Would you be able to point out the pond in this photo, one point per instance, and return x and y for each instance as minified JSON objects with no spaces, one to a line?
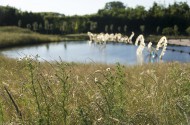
{"x":82,"y":51}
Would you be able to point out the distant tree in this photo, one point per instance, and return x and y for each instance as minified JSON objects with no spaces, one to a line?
{"x":46,"y":25}
{"x":142,"y":28}
{"x":40,"y":27}
{"x":114,"y":5}
{"x":93,"y":26}
{"x":119,"y":29}
{"x":76,"y":27}
{"x":111,"y":27}
{"x":176,"y":32}
{"x":51,"y":28}
{"x":125,"y":28}
{"x":157,"y":10}
{"x":106,"y":28}
{"x":28,"y":26}
{"x":35,"y":26}
{"x":139,"y":12}
{"x":19,"y":23}
{"x":188,"y":30}
{"x":168,"y":31}
{"x":63,"y":27}
{"x":157,"y":29}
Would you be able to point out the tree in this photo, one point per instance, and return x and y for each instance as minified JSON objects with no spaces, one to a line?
{"x":28,"y":26}
{"x":188,"y":30}
{"x":35,"y":26}
{"x":167,"y":31}
{"x":106,"y":28}
{"x":93,"y":26}
{"x":125,"y":28}
{"x":51,"y":27}
{"x":111,"y":27}
{"x":63,"y":27}
{"x":176,"y":32}
{"x":157,"y":29}
{"x":114,"y":5}
{"x":40,"y":27}
{"x":142,"y":28}
{"x":119,"y":29}
{"x":19,"y":23}
{"x":46,"y":25}
{"x":157,"y":10}
{"x":76,"y":27}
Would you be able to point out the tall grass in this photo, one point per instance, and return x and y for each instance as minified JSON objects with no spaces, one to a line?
{"x":15,"y":36}
{"x":11,"y":36}
{"x":69,"y":93}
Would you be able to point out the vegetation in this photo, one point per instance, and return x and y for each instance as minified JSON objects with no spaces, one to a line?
{"x":15,"y":36}
{"x":114,"y":17}
{"x":35,"y":92}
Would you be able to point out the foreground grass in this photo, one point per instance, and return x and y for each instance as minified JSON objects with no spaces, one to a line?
{"x":11,"y":36}
{"x":68,"y":93}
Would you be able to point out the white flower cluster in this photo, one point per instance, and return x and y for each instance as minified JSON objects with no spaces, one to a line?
{"x":26,"y":58}
{"x":103,"y":38}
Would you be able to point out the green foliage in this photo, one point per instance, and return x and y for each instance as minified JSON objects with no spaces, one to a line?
{"x":111,"y":27}
{"x":93,"y":26}
{"x":188,"y":30}
{"x":168,"y":31}
{"x":113,"y":14}
{"x":157,"y":29}
{"x":114,"y":5}
{"x":14,"y":36}
{"x":19,"y":23}
{"x":69,"y":93}
{"x":176,"y":32}
{"x":125,"y":28}
{"x":106,"y":28}
{"x":35,"y":26}
{"x":28,"y":26}
{"x":142,"y":28}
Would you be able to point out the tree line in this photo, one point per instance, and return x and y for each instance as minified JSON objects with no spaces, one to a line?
{"x":113,"y":18}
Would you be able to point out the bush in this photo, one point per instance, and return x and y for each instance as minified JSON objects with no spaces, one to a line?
{"x":188,"y":30}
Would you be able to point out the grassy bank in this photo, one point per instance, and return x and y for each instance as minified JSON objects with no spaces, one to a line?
{"x":11,"y":36}
{"x":69,"y":93}
{"x":156,"y":38}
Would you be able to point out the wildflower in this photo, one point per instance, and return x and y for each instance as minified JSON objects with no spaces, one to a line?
{"x":108,"y":69}
{"x":97,"y":71}
{"x":100,"y":119}
{"x":96,"y":79}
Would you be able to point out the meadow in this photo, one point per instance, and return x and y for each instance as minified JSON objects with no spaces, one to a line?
{"x":11,"y":36}
{"x":34,"y":92}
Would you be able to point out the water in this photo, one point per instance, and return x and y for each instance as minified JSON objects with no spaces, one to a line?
{"x":84,"y":52}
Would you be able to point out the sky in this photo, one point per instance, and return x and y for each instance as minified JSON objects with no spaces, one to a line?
{"x":77,"y":7}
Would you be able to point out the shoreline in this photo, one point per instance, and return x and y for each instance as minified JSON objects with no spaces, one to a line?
{"x":179,"y":42}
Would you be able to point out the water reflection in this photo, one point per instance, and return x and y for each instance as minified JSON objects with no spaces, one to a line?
{"x":86,"y":52}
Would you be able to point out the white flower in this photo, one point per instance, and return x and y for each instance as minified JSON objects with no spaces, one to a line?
{"x":97,"y":71}
{"x":96,"y":79}
{"x":108,"y":69}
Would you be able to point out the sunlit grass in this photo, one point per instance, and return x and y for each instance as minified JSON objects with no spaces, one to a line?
{"x":11,"y":36}
{"x":70,"y":93}
{"x":15,"y":36}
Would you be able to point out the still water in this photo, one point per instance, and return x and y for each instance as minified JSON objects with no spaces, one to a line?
{"x":84,"y":52}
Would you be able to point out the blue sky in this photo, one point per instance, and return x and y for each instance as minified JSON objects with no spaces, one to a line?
{"x":79,"y":7}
